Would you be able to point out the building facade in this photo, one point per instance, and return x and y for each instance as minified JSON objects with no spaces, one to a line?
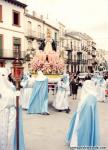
{"x":61,"y":40}
{"x":11,"y":30}
{"x":101,"y":59}
{"x":36,"y":30}
{"x":82,"y":52}
{"x":27,"y":32}
{"x":72,"y":45}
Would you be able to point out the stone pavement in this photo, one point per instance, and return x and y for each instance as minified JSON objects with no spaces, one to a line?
{"x":48,"y":132}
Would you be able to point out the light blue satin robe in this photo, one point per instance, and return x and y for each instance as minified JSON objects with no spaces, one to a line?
{"x":39,"y":98}
{"x":88,"y":127}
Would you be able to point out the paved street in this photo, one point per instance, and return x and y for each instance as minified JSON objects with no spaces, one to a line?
{"x":48,"y":132}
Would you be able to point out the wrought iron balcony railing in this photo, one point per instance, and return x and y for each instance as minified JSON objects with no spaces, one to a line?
{"x":68,"y":61}
{"x":83,"y":61}
{"x":76,"y":62}
{"x":11,"y":54}
{"x":31,"y":34}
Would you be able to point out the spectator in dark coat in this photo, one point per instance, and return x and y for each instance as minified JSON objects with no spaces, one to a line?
{"x":73,"y":87}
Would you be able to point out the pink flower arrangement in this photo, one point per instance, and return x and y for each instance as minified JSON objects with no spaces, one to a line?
{"x":54,"y":64}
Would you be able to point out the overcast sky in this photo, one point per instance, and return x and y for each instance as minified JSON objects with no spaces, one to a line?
{"x":89,"y":16}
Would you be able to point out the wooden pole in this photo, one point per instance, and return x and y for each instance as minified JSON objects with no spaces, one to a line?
{"x":17,"y":114}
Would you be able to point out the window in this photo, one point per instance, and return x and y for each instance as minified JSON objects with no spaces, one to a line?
{"x":62,"y":32}
{"x":62,"y":43}
{"x":29,"y":28}
{"x":16,"y":18}
{"x":75,"y":58}
{"x":39,"y":31}
{"x":16,"y":47}
{"x":1,"y":45}
{"x":29,"y":45}
{"x":55,"y":36}
{"x":29,"y":25}
{"x":0,"y":13}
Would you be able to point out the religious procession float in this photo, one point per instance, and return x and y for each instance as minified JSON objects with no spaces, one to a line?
{"x":48,"y":60}
{"x":50,"y":63}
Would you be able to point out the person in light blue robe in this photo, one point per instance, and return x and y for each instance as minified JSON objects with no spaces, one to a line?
{"x":26,"y":90}
{"x":8,"y":116}
{"x":102,"y":89}
{"x":100,"y":86}
{"x":61,"y":101}
{"x":39,"y":98}
{"x":84,"y":126}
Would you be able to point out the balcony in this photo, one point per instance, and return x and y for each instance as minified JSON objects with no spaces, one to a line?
{"x":31,"y":34}
{"x":68,"y":61}
{"x":40,"y":36}
{"x":83,"y":61}
{"x":21,"y":54}
{"x":84,"y":48}
{"x":62,"y":36}
{"x":68,"y":50}
{"x":73,"y":62}
{"x":10,"y":54}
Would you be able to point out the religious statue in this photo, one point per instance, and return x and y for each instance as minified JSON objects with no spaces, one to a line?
{"x":48,"y":46}
{"x":48,"y":60}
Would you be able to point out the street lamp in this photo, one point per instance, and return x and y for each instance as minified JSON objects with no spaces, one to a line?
{"x":17,"y":73}
{"x":79,"y":58}
{"x":71,"y":59}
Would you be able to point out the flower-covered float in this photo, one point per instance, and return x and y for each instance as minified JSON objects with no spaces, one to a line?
{"x":48,"y":61}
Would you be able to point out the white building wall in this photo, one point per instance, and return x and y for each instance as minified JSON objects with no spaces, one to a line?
{"x":62,"y":38}
{"x":7,"y":16}
{"x":35,"y":23}
{"x":8,"y":41}
{"x":8,"y":30}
